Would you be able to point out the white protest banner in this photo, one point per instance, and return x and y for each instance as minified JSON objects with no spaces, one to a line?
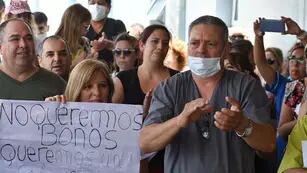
{"x":51,"y":137}
{"x":304,"y":151}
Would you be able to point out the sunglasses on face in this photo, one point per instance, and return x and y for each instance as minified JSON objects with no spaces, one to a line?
{"x":125,"y":52}
{"x":270,"y":61}
{"x":293,"y":59}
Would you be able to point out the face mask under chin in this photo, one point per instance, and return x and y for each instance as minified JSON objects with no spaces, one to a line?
{"x":204,"y":67}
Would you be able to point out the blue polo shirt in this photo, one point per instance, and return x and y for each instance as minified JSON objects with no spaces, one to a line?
{"x":278,"y":89}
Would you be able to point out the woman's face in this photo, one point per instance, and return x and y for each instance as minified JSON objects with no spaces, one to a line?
{"x":84,"y":27}
{"x":272,"y":61}
{"x":96,"y":90}
{"x":229,"y":66}
{"x":125,"y":55}
{"x":156,"y":46}
{"x":297,"y":64}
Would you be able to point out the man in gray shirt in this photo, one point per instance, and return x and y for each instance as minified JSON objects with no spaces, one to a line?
{"x":208,"y":119}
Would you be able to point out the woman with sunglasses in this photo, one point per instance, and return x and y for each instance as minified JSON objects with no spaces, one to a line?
{"x":125,"y":52}
{"x":132,"y":85}
{"x":276,"y":83}
{"x":274,"y":58}
{"x":294,"y":90}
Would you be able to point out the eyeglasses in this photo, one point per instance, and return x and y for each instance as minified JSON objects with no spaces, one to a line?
{"x":293,"y":59}
{"x":270,"y":61}
{"x":125,"y":52}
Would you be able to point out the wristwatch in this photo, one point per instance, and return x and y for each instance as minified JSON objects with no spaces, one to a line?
{"x":247,"y":131}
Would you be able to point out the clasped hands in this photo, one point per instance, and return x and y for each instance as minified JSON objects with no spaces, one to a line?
{"x":226,"y":119}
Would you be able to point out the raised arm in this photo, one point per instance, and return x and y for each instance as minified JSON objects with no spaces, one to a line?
{"x":266,"y":71}
{"x":286,"y":122}
{"x":294,"y":29}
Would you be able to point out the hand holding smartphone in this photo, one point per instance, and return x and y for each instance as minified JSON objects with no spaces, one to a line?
{"x":272,"y":25}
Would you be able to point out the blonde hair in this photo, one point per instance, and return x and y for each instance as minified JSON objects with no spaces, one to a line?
{"x":81,"y":75}
{"x":70,"y":28}
{"x":277,"y":53}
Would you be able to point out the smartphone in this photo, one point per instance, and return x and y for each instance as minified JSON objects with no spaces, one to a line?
{"x":272,"y":25}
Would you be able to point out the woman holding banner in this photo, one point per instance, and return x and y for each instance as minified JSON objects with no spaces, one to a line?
{"x":89,"y":81}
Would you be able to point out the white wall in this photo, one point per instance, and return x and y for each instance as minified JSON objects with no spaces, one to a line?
{"x":129,"y":11}
{"x":54,"y":10}
{"x":249,"y":11}
{"x":175,"y":17}
{"x":273,"y":9}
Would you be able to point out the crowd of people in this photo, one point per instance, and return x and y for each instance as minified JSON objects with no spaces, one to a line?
{"x":216,"y":104}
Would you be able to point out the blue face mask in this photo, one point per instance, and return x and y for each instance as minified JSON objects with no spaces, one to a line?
{"x":204,"y":67}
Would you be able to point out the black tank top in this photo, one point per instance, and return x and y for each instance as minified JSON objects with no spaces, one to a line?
{"x":132,"y":88}
{"x":134,"y":95}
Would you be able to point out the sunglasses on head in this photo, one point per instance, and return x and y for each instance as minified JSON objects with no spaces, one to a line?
{"x":270,"y":61}
{"x":300,"y":60}
{"x":125,"y":52}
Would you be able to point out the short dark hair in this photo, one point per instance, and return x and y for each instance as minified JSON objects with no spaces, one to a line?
{"x":3,"y":26}
{"x":52,"y":37}
{"x":150,"y":29}
{"x":238,"y":57}
{"x":210,"y":20}
{"x":108,"y":2}
{"x":132,"y":41}
{"x":2,"y":4}
{"x":298,"y":45}
{"x":40,"y":17}
{"x":241,"y":46}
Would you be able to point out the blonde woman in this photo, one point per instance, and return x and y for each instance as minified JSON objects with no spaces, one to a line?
{"x":73,"y":28}
{"x":89,"y":81}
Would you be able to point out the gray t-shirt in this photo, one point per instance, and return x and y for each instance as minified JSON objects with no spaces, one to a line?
{"x":222,"y":152}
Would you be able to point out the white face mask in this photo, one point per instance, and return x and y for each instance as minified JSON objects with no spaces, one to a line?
{"x":204,"y":67}
{"x":41,"y":37}
{"x":98,"y":12}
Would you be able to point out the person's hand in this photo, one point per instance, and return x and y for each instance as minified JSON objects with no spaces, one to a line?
{"x":257,"y":31}
{"x":192,"y":112}
{"x":57,"y":98}
{"x":146,"y":103}
{"x":101,"y":43}
{"x":230,"y":119}
{"x":292,"y":26}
